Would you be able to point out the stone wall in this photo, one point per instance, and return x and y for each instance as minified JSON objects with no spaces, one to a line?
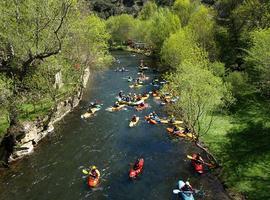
{"x":33,"y":132}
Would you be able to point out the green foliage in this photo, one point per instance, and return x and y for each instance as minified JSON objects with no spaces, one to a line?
{"x":258,"y":59}
{"x":120,"y":27}
{"x":162,"y":24}
{"x":217,"y":68}
{"x":148,"y":10}
{"x":184,"y":9}
{"x":238,"y":82}
{"x":202,"y":25}
{"x":201,"y":93}
{"x":180,"y":47}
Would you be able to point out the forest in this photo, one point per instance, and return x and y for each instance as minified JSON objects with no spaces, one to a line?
{"x":215,"y":55}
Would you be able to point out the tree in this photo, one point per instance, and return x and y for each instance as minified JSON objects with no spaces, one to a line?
{"x":201,"y":94}
{"x":162,"y":24}
{"x":180,"y":47}
{"x":202,"y":25}
{"x":184,"y":9}
{"x":258,"y":59}
{"x":148,"y":10}
{"x":120,"y":27}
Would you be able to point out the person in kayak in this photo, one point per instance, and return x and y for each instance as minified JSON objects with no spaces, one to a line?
{"x":133,"y":119}
{"x":121,"y":94}
{"x":116,"y":104}
{"x":94,"y":172}
{"x":176,"y":129}
{"x":199,"y":159}
{"x":172,"y":119}
{"x":137,"y":164}
{"x":187,"y":187}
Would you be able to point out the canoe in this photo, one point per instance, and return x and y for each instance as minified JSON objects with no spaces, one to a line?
{"x":93,"y":182}
{"x":198,"y":166}
{"x":132,"y":124}
{"x":136,"y":86}
{"x":112,"y":108}
{"x":133,"y":173}
{"x":89,"y":114}
{"x":140,"y":108}
{"x":180,"y":134}
{"x":185,"y":195}
{"x":166,"y":121}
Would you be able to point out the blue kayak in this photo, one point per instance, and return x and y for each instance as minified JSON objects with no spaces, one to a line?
{"x":185,"y":195}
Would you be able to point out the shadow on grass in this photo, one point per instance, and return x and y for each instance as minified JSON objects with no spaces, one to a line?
{"x":247,"y":154}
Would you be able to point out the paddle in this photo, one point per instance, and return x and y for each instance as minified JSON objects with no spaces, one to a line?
{"x":85,"y":171}
{"x":177,"y":191}
{"x":208,"y":164}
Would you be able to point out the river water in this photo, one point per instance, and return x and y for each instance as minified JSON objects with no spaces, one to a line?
{"x":54,"y":170}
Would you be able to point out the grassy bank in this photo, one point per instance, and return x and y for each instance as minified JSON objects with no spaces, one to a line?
{"x":241,"y":142}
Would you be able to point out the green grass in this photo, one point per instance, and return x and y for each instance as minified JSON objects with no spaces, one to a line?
{"x":241,"y":142}
{"x":3,"y":122}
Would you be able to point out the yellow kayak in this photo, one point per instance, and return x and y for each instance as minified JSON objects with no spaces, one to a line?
{"x":132,"y":124}
{"x":112,"y":108}
{"x":89,"y":114}
{"x":145,"y":97}
{"x":165,"y":121}
{"x":180,"y":134}
{"x":135,"y":85}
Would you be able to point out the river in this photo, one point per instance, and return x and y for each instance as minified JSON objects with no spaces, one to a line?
{"x":54,"y":170}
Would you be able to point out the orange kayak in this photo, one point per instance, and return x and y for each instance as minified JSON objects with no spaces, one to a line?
{"x":93,"y":182}
{"x":150,"y":121}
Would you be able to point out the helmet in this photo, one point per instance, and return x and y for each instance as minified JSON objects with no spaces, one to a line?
{"x":187,"y":183}
{"x":94,"y":167}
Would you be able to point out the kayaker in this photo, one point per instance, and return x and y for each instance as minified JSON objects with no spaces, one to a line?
{"x":186,"y":187}
{"x":137,"y":164}
{"x":199,"y":159}
{"x":176,"y":129}
{"x":94,"y":172}
{"x":121,"y":94}
{"x":142,"y":64}
{"x":116,"y":104}
{"x":172,"y":119}
{"x":133,"y":119}
{"x":141,"y":104}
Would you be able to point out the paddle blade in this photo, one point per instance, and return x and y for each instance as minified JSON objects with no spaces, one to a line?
{"x":190,"y":157}
{"x":85,"y":171}
{"x":176,"y":191}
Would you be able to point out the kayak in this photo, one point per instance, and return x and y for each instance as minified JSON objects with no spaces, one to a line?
{"x":144,"y":78}
{"x":143,"y":68}
{"x":133,"y":173}
{"x":145,"y":97}
{"x":197,"y":165}
{"x":166,"y":121}
{"x":93,"y":182}
{"x":112,"y":108}
{"x":185,"y":195}
{"x":132,"y":124}
{"x":150,"y":120}
{"x":89,"y":114}
{"x":140,"y":108}
{"x":135,"y":85}
{"x":180,"y":134}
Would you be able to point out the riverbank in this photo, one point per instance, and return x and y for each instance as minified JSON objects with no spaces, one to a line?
{"x":34,"y":131}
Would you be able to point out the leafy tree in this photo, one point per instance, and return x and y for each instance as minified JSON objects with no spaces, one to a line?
{"x":162,"y":24}
{"x":148,"y":10}
{"x":184,"y":9}
{"x":201,"y":94}
{"x":120,"y":27}
{"x":258,"y":59}
{"x":202,"y":25}
{"x":180,"y":47}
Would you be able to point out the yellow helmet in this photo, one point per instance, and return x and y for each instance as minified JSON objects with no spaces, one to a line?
{"x":93,"y":167}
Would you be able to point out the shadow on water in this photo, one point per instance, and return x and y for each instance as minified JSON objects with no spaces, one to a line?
{"x":54,"y":171}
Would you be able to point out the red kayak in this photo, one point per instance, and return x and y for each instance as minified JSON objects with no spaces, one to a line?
{"x":198,"y":166}
{"x":134,"y":172}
